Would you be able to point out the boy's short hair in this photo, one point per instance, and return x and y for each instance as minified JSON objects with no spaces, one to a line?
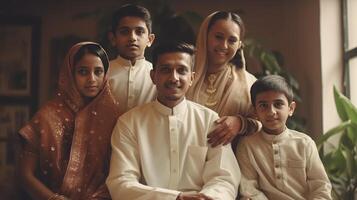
{"x":271,"y":83}
{"x":171,"y":47}
{"x":130,"y":10}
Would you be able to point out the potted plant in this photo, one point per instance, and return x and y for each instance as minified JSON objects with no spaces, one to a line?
{"x":340,"y":160}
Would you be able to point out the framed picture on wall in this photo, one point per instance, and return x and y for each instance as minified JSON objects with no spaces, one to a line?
{"x":19,"y":56}
{"x":12,"y":118}
{"x":19,"y":78}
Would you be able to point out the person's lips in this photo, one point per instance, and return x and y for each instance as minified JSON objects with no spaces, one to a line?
{"x":221,"y":52}
{"x":133,"y":46}
{"x":272,"y":120}
{"x":92,"y":87}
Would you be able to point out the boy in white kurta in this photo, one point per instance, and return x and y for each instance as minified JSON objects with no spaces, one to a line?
{"x":160,"y":149}
{"x":129,"y":73}
{"x":279,"y":163}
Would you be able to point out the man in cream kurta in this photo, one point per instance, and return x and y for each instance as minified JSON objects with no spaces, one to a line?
{"x":160,"y":149}
{"x":131,"y":84}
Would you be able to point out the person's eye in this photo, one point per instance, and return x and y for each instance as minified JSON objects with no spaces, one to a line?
{"x":82,"y":72}
{"x":232,"y":40}
{"x":99,"y":72}
{"x":218,"y":37}
{"x":262,"y":106}
{"x":123,"y":31}
{"x":164,"y":70}
{"x":140,"y":31}
{"x":279,"y":104}
{"x":182,"y":70}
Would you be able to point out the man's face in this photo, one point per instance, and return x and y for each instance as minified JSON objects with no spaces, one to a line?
{"x":172,"y":76}
{"x":132,"y":37}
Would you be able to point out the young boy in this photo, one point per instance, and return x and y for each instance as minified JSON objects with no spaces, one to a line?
{"x":279,"y":163}
{"x":160,"y":149}
{"x":129,"y":73}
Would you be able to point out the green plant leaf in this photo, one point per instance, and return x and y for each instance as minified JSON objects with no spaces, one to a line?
{"x":350,"y":109}
{"x":270,"y":62}
{"x":350,"y":164}
{"x":339,"y":105}
{"x":352,"y":133}
{"x":331,"y":132}
{"x":345,"y":141}
{"x":341,"y":161}
{"x":335,"y":163}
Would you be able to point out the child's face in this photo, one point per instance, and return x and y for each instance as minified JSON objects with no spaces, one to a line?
{"x":132,"y":37}
{"x":273,"y":110}
{"x":89,"y":75}
{"x":172,"y":76}
{"x":223,"y":41}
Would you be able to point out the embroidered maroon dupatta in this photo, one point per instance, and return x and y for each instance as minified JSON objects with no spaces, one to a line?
{"x":72,"y":140}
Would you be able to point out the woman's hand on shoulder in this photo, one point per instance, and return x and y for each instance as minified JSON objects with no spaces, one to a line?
{"x":226,"y":129}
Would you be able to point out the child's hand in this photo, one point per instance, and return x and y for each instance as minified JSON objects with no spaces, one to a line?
{"x":227,"y":127}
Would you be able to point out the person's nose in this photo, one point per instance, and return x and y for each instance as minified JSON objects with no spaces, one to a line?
{"x":91,"y":78}
{"x":174,"y":76}
{"x":271,"y":110}
{"x":224,"y":44}
{"x":133,"y":36}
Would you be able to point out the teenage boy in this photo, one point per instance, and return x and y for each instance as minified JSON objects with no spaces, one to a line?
{"x":279,"y":163}
{"x":129,"y":73}
{"x":160,"y":149}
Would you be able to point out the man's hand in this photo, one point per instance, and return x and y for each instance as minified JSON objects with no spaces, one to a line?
{"x":193,"y":197}
{"x":227,"y":127}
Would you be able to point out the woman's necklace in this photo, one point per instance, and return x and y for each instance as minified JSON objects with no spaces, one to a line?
{"x":212,"y":87}
{"x":211,"y":90}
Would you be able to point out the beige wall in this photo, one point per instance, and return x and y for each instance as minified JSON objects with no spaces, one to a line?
{"x":352,"y":40}
{"x":331,"y":58}
{"x":291,"y":27}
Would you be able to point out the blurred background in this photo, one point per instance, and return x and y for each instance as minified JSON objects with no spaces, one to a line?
{"x":311,"y":42}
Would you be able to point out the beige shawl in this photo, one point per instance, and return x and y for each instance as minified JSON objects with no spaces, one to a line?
{"x":236,"y":98}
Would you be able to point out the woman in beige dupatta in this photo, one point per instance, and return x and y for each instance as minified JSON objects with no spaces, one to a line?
{"x":221,"y":80}
{"x":66,"y":146}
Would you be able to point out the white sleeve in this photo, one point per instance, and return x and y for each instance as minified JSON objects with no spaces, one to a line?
{"x":221,"y":174}
{"x":124,"y":173}
{"x":317,"y":180}
{"x":249,"y":188}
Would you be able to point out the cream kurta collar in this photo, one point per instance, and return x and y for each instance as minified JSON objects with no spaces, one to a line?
{"x":127,"y":63}
{"x":179,"y":110}
{"x":272,"y":138}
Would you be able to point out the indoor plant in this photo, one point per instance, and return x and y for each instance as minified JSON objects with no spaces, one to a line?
{"x":340,"y":159}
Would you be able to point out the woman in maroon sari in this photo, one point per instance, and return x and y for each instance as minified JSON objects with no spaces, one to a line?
{"x":66,"y":146}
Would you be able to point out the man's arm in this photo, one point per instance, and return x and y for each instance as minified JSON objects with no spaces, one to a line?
{"x":221,"y":174}
{"x":249,"y":185}
{"x":317,"y":180}
{"x":124,"y":173}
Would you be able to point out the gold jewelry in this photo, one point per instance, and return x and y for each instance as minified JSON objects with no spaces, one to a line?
{"x":53,"y":197}
{"x":211,"y":90}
